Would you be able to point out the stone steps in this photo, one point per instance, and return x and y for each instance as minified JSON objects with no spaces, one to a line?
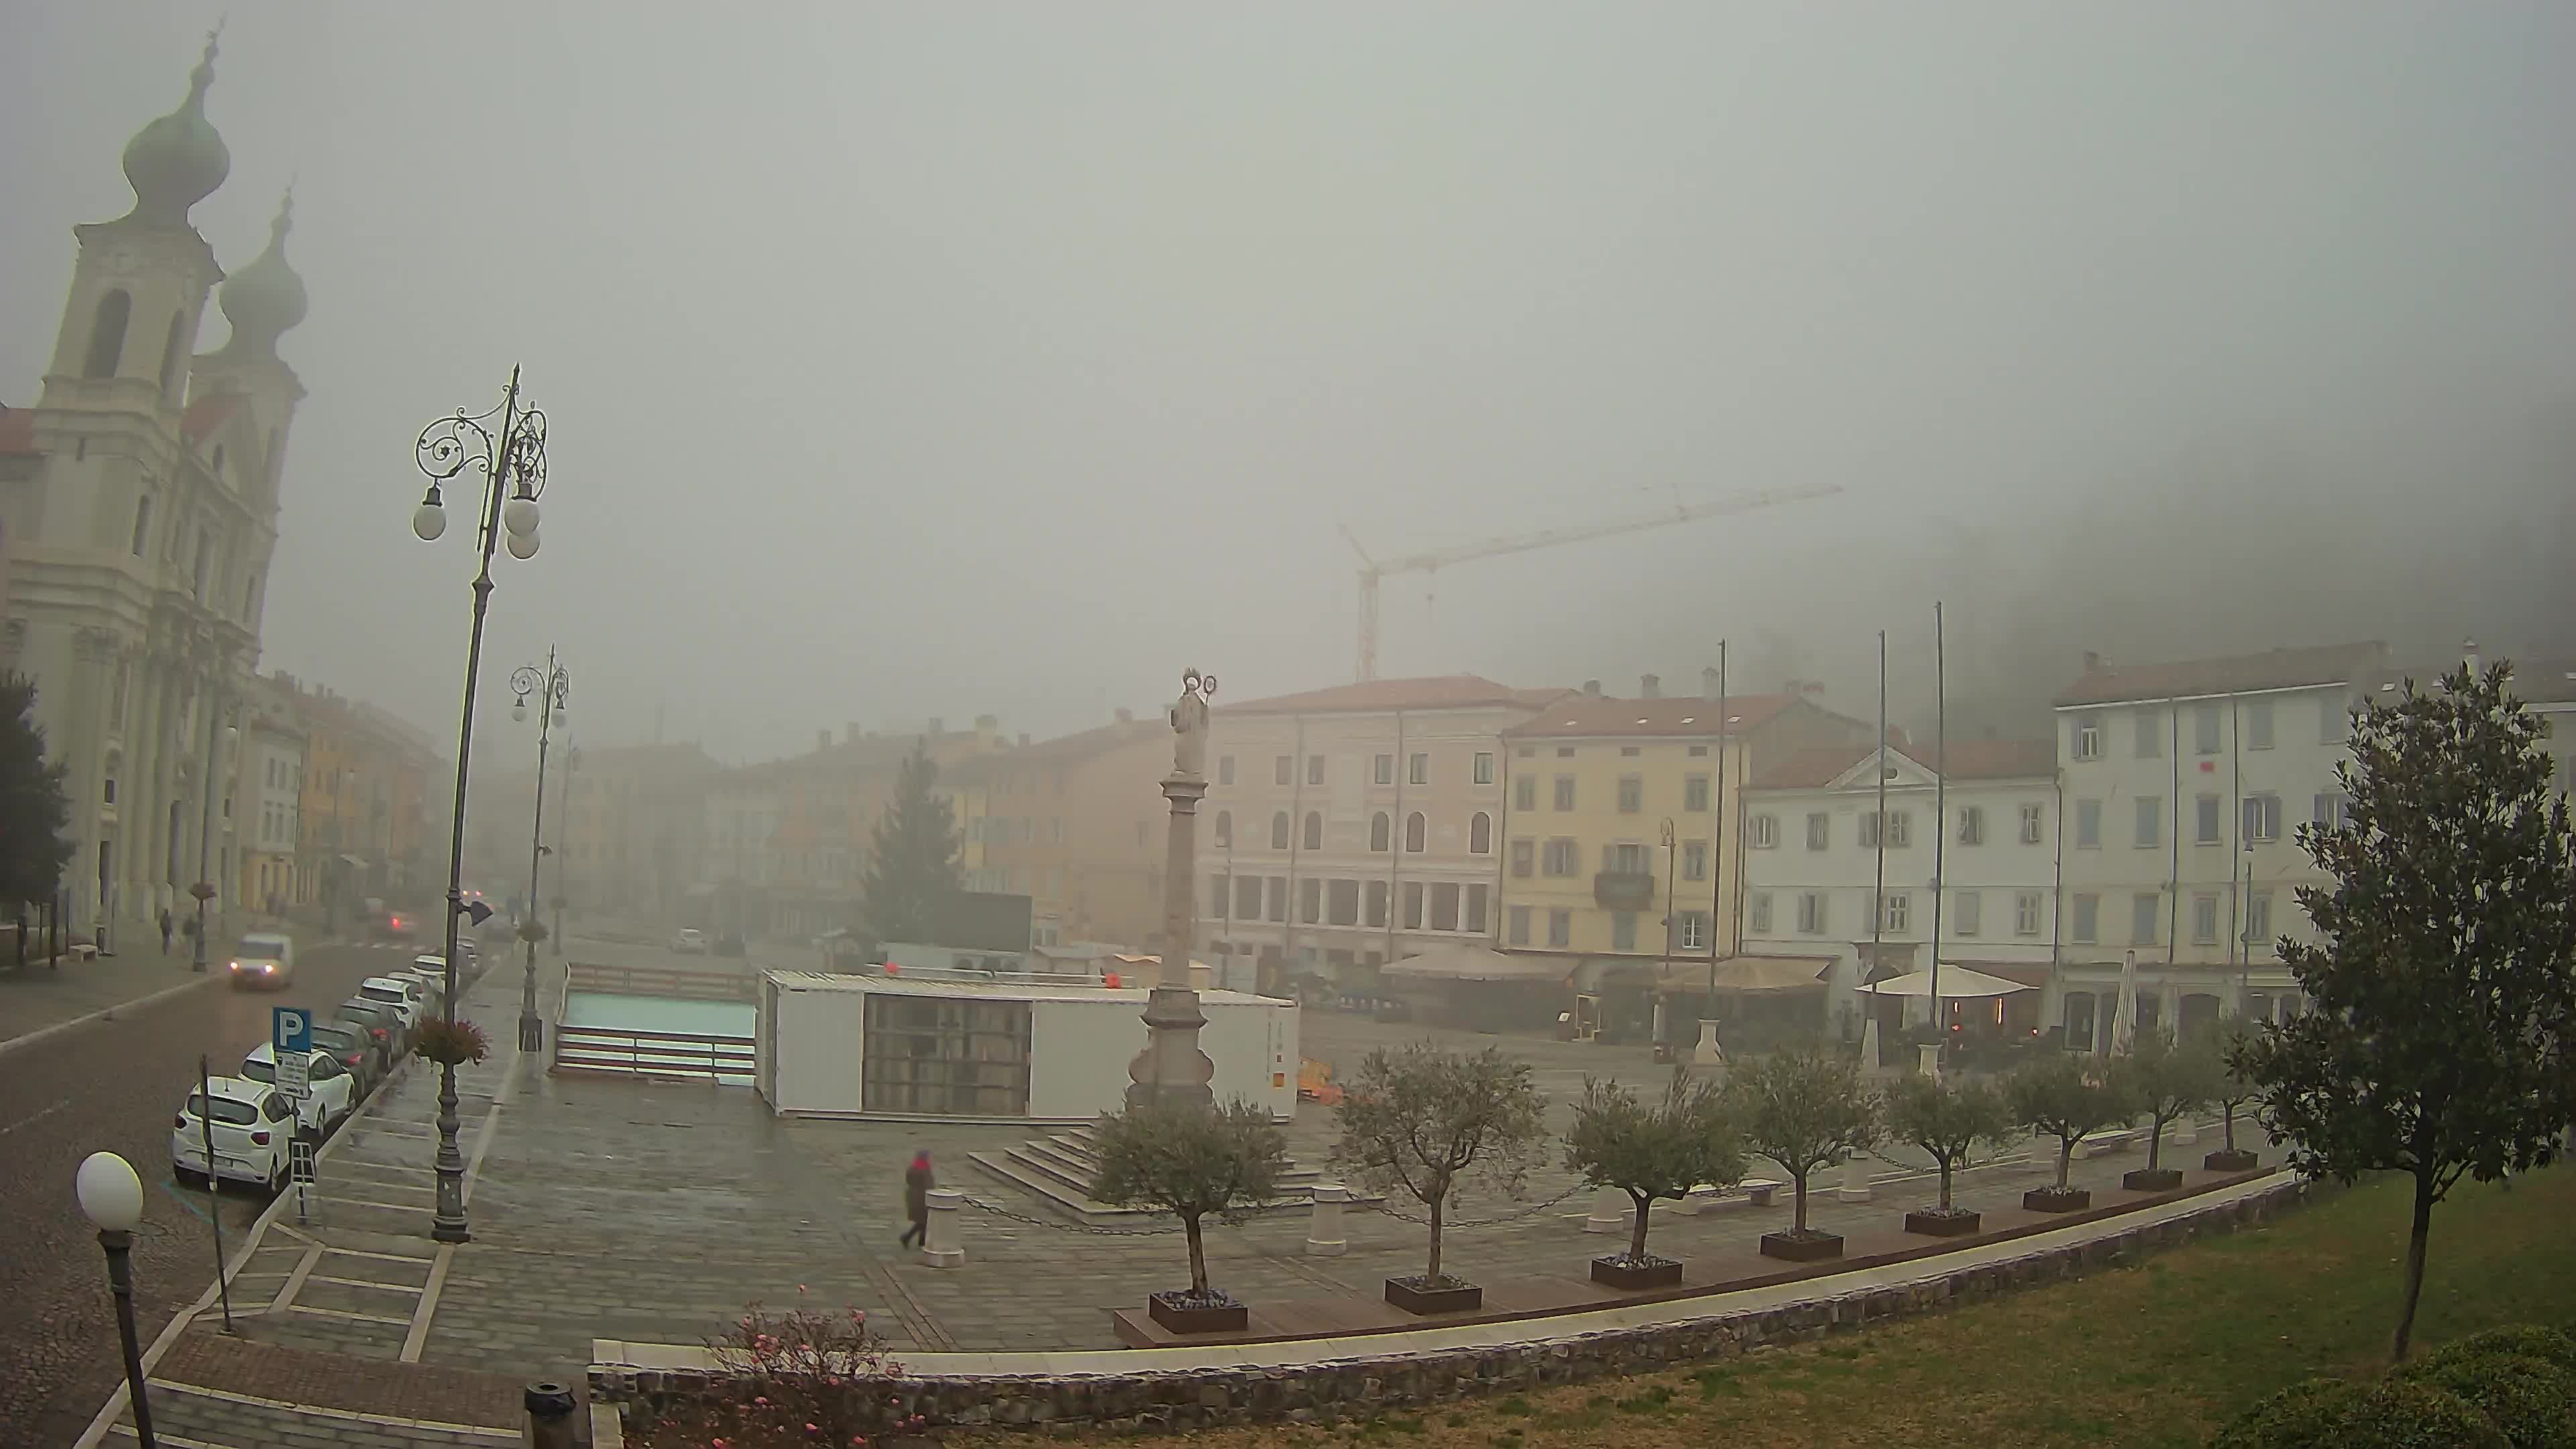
{"x":1058,"y":1169}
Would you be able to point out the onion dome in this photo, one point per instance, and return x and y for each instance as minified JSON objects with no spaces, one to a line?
{"x":178,"y":160}
{"x":264,"y":299}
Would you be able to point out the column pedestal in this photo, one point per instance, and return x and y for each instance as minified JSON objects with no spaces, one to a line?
{"x":940,"y":1245}
{"x":1610,"y":1209}
{"x":1855,"y":1186}
{"x":1324,"y":1228}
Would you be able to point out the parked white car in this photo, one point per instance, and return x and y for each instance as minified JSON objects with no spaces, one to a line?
{"x":252,"y":1122}
{"x":430,"y":974}
{"x":404,"y":996}
{"x":689,"y":941}
{"x":331,"y":1091}
{"x":263,"y":959}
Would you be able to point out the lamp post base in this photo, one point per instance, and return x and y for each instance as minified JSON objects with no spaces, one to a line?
{"x":532,"y":1032}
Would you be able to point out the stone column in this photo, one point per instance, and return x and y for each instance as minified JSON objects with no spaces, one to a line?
{"x":1855,"y":1186}
{"x":1707,"y":1053}
{"x":1927,"y":1060}
{"x":2182,"y":1133}
{"x":1610,"y":1209}
{"x":940,"y":1245}
{"x":1171,"y":1068}
{"x":1324,"y":1229}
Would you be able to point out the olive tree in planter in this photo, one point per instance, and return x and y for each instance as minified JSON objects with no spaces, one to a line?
{"x":1948,"y":1118}
{"x":1428,"y":1122}
{"x":2169,"y":1077}
{"x":2230,"y":1090}
{"x":2066,"y":1098}
{"x":1191,"y":1163}
{"x":1651,"y":1152}
{"x":1806,"y":1110}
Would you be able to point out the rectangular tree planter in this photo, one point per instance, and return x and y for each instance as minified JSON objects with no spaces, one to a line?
{"x":1812,"y":1248}
{"x":2051,"y":1200}
{"x":1655,"y":1272}
{"x":1187,"y":1317}
{"x":1933,"y":1223}
{"x":1411,"y":1295}
{"x":2152,"y":1179}
{"x":2237,"y":1161}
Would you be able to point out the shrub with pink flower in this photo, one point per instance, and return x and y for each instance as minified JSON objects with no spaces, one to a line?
{"x":804,"y":1377}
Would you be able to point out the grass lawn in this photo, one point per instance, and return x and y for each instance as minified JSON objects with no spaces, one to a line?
{"x":2158,"y":1354}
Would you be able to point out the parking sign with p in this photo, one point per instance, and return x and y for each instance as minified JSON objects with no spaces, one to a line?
{"x":290,"y":1037}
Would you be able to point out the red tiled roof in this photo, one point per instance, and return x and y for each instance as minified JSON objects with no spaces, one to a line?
{"x":1445,"y":691}
{"x":2106,"y":683}
{"x":2535,"y":681}
{"x":206,"y":414}
{"x":17,"y":433}
{"x":1812,"y":769}
{"x":1587,"y":716}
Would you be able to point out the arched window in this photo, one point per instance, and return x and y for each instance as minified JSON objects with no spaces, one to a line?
{"x":107,"y":334}
{"x":1279,"y":831}
{"x":250,"y":606}
{"x":1382,"y":832}
{"x":1480,"y":834}
{"x":205,"y":560}
{"x":1314,"y":830}
{"x":1224,"y":829}
{"x":217,"y":468}
{"x":171,"y":352}
{"x":1415,"y":829}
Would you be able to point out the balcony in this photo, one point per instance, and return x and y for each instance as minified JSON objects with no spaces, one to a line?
{"x":1624,"y":890}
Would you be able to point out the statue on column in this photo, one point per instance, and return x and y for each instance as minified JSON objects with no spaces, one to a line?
{"x":1189,"y":716}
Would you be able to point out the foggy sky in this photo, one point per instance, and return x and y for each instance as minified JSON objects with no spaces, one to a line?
{"x":940,"y":360}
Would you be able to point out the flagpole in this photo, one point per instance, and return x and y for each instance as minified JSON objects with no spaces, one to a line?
{"x":1940,"y":808}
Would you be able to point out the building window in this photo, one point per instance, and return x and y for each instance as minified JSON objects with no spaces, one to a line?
{"x":1484,"y":767}
{"x":1627,"y":857}
{"x":1694,"y":860}
{"x":1972,"y":825}
{"x":2258,"y":724}
{"x":1623,"y":930}
{"x":1763,"y":831}
{"x":1279,"y":831}
{"x":1419,"y":772}
{"x":2204,"y":820}
{"x":1472,"y":915}
{"x":2332,"y":808}
{"x":1900,"y":829}
{"x":2258,"y":922}
{"x":1377,"y":903}
{"x":1820,"y":830}
{"x":107,"y":334}
{"x":1225,"y":769}
{"x":1967,"y":912}
{"x":142,"y":523}
{"x":2144,"y":907}
{"x":1310,"y":901}
{"x":109,"y":798}
{"x":1694,"y":792}
{"x":1565,"y":792}
{"x":1416,"y":831}
{"x":173,"y":348}
{"x":1382,"y":769}
{"x":1480,"y":834}
{"x":1632,"y":794}
{"x":1524,"y":856}
{"x":1812,"y":915}
{"x":2032,"y":819}
{"x":1219,"y":894}
{"x":2335,"y":721}
{"x":2204,"y":919}
{"x":1757,"y":909}
{"x":2088,"y":917}
{"x":2204,"y":729}
{"x":1381,"y":831}
{"x":1247,"y":897}
{"x":1314,"y":830}
{"x":2079,"y":1021}
{"x":1413,"y":905}
{"x":1896,"y":911}
{"x":1314,"y":769}
{"x":2263,"y":817}
{"x":1559,"y":859}
{"x":2026,"y":909}
{"x":2088,"y":824}
{"x":1225,"y":830}
{"x":1694,"y":932}
{"x":2151,"y":819}
{"x":2151,"y":734}
{"x":1525,"y":793}
{"x":1560,"y":929}
{"x":1517,"y":932}
{"x":1343,"y":906}
{"x":1565,"y":752}
{"x":1283,"y":770}
{"x":2088,"y":738}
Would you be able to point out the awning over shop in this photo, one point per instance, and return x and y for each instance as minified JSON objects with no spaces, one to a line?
{"x":1463,"y":962}
{"x":1765,"y":975}
{"x":1957,"y":982}
{"x":354,"y":862}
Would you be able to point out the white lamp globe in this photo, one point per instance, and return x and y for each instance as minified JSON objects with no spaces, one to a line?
{"x":519,"y":515}
{"x":111,"y":1196}
{"x":523,"y":545}
{"x":428,"y":521}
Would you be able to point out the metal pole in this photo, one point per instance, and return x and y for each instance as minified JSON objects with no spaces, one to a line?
{"x":1672,"y":870}
{"x":1940,"y":810}
{"x":120,"y":1281}
{"x":563,"y":822}
{"x":206,"y":829}
{"x":531,"y":1030}
{"x":1717,"y":850}
{"x":1878,"y":895}
{"x":214,"y":1185}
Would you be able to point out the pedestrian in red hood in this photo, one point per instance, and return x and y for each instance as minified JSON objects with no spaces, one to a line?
{"x":917,"y":1183}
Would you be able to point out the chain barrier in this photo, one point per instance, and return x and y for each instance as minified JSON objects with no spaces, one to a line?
{"x":1002,"y":1212}
{"x":1533,"y":1210}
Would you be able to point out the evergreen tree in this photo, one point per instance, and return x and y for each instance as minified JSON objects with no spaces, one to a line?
{"x":912,"y":862}
{"x":2444,"y":971}
{"x":34,"y":810}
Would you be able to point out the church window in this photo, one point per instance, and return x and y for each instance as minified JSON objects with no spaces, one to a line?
{"x":142,"y":523}
{"x":107,"y":334}
{"x":171,"y":353}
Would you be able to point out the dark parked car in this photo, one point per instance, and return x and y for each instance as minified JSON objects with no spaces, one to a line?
{"x":356,"y":1050}
{"x":381,"y":1022}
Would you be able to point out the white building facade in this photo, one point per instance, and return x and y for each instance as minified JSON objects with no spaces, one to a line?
{"x":139,"y":504}
{"x":1813,"y":872}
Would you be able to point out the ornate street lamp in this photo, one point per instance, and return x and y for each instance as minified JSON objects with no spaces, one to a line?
{"x":552,"y":689}
{"x":111,"y":1197}
{"x":513,"y":467}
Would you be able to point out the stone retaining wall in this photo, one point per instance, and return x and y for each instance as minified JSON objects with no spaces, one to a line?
{"x":1365,"y":1387}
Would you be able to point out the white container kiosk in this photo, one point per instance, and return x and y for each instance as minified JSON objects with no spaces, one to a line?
{"x":1003,"y":1049}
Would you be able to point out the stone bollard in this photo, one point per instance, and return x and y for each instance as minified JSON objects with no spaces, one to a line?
{"x":1927,"y":1060}
{"x":2043,"y":1153}
{"x":1324,"y":1227}
{"x":550,"y":1417}
{"x":1855,"y":1186}
{"x":1708,"y":1053}
{"x":2180,"y":1132}
{"x":1610,"y":1209}
{"x":940,"y":1246}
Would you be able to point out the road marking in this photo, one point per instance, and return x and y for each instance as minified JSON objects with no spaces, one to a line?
{"x":159,"y":1437}
{"x":427,"y":1308}
{"x":294,"y":1281}
{"x":391,"y":1207}
{"x":322,"y":1411}
{"x":34,"y":1117}
{"x":388,"y":1257}
{"x":344,"y":1313}
{"x":45,"y":1033}
{"x":370,"y":1283}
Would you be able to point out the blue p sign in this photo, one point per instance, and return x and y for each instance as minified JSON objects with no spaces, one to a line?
{"x":290,"y":1031}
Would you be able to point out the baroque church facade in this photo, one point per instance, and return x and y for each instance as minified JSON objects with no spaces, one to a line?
{"x":138,"y":514}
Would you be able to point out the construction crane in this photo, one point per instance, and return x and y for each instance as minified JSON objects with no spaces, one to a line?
{"x":1372,"y":571}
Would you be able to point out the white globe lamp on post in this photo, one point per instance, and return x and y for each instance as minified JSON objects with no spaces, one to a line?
{"x":111,"y":1197}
